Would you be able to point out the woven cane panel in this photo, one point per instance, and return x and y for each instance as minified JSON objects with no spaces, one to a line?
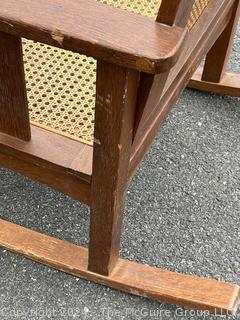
{"x":148,"y":8}
{"x":61,"y":85}
{"x":197,"y":11}
{"x":61,"y":90}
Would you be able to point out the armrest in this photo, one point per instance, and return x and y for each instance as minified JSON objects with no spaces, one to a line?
{"x":95,"y":29}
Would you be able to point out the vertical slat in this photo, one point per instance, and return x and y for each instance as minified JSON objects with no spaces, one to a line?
{"x":14,"y":119}
{"x":218,"y":57}
{"x":175,"y":12}
{"x":171,"y":12}
{"x":116,"y":91}
{"x":150,"y":91}
{"x":114,"y":119}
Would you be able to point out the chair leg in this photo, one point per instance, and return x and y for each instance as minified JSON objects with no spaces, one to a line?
{"x":229,"y":84}
{"x":213,"y":77}
{"x":14,"y":118}
{"x":115,"y":109}
{"x":114,"y":120}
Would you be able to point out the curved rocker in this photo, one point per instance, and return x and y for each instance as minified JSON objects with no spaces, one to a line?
{"x":214,"y":76}
{"x":229,"y":84}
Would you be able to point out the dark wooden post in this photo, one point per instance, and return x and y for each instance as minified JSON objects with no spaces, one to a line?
{"x":170,"y":12}
{"x":114,"y":119}
{"x":218,"y":57}
{"x":114,"y":123}
{"x":14,"y":118}
{"x":175,"y":12}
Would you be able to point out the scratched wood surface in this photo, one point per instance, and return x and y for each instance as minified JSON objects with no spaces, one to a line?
{"x":66,"y":165}
{"x":115,"y":111}
{"x":59,"y":162}
{"x":95,"y":29}
{"x":132,"y":277}
{"x":212,"y":23}
{"x":14,"y":119}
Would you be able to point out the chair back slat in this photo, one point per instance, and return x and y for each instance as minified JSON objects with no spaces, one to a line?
{"x":175,"y":12}
{"x":181,"y":12}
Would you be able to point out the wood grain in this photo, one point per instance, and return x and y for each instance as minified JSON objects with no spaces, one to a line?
{"x":81,"y":26}
{"x":229,"y":84}
{"x":175,"y":12}
{"x":171,"y":13}
{"x":47,"y":146}
{"x":132,"y":277}
{"x":210,"y":25}
{"x":114,"y":120}
{"x":14,"y":119}
{"x":66,"y":165}
{"x":218,"y":57}
{"x":57,"y":161}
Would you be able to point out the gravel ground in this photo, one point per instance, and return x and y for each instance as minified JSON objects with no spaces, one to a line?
{"x":182,"y":213}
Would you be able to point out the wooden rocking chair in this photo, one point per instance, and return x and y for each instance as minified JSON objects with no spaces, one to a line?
{"x":86,"y":141}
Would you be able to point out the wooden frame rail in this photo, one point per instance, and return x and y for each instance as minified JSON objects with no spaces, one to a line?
{"x":131,"y":277}
{"x":59,"y":162}
{"x":14,"y":118}
{"x":81,"y":26}
{"x":228,"y":85}
{"x":159,"y":102}
{"x":214,"y":76}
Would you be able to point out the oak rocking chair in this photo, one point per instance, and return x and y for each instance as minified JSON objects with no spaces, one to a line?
{"x":83,"y":127}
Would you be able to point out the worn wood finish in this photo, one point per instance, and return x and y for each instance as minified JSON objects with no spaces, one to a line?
{"x":14,"y":117}
{"x":66,"y":164}
{"x":62,"y":181}
{"x":229,"y":84}
{"x":175,"y":12}
{"x":210,"y":25}
{"x":218,"y":57}
{"x":146,"y":81}
{"x":54,"y":160}
{"x":145,"y":101}
{"x":46,"y":146}
{"x":81,"y":26}
{"x":170,"y":13}
{"x":114,"y":119}
{"x":132,"y":277}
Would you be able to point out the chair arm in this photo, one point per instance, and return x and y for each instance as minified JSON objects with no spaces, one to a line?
{"x":95,"y":29}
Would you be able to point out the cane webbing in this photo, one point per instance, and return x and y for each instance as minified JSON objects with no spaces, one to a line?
{"x":149,"y":8}
{"x":61,"y":84}
{"x":197,"y":11}
{"x":61,"y":90}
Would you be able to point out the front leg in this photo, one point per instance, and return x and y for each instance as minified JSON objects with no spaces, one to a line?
{"x":114,"y":119}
